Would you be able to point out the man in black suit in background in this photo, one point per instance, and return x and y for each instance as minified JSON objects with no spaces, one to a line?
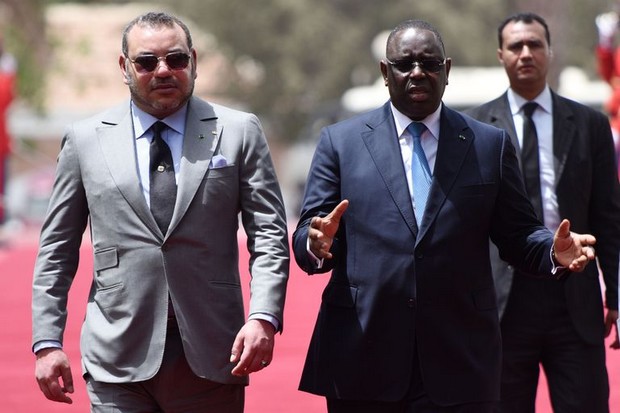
{"x":570,"y":172}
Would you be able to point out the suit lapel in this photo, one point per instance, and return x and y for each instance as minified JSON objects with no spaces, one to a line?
{"x":117,"y":143}
{"x":382,"y":144}
{"x":202,"y":134}
{"x":564,"y":131}
{"x":455,"y":139}
{"x":500,"y":116}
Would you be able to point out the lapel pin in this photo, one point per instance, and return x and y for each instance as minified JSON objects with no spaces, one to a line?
{"x":201,"y":136}
{"x":461,"y":137}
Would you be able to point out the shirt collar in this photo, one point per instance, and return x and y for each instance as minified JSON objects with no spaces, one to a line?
{"x":142,"y":121}
{"x":516,"y":101}
{"x":431,"y":121}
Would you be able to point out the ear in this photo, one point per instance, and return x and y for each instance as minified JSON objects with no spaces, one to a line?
{"x":122,"y":62}
{"x":500,"y":56}
{"x":383,"y":67}
{"x":195,"y":60}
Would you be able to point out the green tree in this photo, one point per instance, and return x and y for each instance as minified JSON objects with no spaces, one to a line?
{"x":295,"y":57}
{"x":24,"y":27}
{"x":309,"y":53}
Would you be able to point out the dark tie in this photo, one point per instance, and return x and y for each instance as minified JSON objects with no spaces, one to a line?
{"x":420,"y":171}
{"x":529,"y":159}
{"x":163,"y":188}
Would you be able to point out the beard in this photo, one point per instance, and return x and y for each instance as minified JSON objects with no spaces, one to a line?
{"x":159,"y":108}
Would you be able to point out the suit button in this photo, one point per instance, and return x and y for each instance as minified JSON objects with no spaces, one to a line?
{"x":411,"y":303}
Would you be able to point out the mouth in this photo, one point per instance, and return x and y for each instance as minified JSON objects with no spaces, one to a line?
{"x":164,"y":88}
{"x":418,"y":93}
{"x":527,"y":68}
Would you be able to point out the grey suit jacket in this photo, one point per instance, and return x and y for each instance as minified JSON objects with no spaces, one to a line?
{"x":588,"y":195}
{"x":136,"y":267}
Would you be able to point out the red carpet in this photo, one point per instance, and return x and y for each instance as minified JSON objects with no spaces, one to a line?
{"x":273,"y":390}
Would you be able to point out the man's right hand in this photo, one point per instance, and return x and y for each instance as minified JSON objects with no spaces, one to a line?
{"x":51,"y":365}
{"x":322,"y":231}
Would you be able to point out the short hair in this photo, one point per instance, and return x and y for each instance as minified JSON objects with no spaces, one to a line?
{"x":525,"y":18}
{"x":415,"y":24}
{"x":155,"y":19}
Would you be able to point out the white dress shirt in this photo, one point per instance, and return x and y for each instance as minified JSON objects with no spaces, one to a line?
{"x":429,"y":140}
{"x":543,"y":119}
{"x":172,"y":135}
{"x":430,"y":143}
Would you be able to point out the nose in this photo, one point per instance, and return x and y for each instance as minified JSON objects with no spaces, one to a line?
{"x":416,"y":70}
{"x":161,"y":65}
{"x":526,"y":51}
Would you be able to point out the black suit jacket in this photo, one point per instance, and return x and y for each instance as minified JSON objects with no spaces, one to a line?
{"x":588,"y":195}
{"x":394,"y":286}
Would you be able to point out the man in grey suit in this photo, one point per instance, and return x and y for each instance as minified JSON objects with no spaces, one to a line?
{"x":557,"y":324}
{"x":164,"y":327}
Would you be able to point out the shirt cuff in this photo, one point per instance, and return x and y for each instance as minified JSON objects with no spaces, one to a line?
{"x":41,"y":345}
{"x":266,"y":317}
{"x":318,"y":262}
{"x":556,"y":268}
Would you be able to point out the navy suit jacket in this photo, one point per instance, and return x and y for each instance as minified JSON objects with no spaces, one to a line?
{"x":588,"y":195}
{"x":395,"y":287}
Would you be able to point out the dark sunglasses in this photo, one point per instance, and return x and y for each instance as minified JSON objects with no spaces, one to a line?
{"x":406,"y":65}
{"x":148,"y":63}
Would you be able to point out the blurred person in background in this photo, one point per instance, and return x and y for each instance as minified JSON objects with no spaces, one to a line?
{"x":567,"y":159}
{"x":8,"y":75}
{"x":399,"y":206}
{"x":608,"y":64}
{"x":162,"y":181}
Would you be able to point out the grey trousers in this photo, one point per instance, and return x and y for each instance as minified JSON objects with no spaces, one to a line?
{"x":174,"y":389}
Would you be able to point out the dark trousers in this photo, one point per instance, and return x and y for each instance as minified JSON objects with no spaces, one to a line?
{"x":174,"y":389}
{"x":415,"y":401}
{"x":420,"y":405}
{"x":537,"y":330}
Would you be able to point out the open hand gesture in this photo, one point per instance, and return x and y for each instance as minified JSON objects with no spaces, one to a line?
{"x":322,"y":231}
{"x":573,"y":250}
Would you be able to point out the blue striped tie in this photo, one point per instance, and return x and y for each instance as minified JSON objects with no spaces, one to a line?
{"x":420,"y":171}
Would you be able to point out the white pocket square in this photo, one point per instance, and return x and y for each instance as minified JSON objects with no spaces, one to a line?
{"x":218,"y":161}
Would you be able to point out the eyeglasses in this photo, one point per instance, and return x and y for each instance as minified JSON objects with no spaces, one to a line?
{"x":148,"y":63}
{"x":406,"y":65}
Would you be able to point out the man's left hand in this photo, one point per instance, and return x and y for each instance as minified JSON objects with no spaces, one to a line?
{"x":572,"y":250}
{"x":611,"y":319}
{"x":253,"y":347}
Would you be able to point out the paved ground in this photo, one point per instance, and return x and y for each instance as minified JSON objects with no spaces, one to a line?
{"x":272,"y":391}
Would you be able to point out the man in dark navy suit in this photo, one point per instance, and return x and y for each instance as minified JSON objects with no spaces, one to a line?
{"x":408,"y":320}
